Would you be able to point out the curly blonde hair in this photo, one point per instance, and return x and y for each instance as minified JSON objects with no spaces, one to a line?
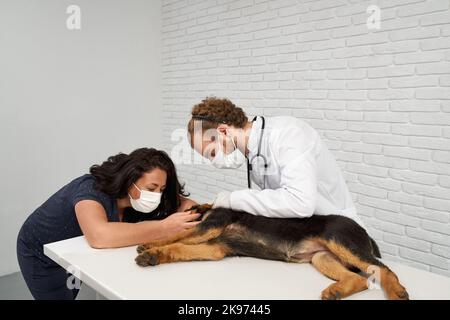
{"x":213,"y":111}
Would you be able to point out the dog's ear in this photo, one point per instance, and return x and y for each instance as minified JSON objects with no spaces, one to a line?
{"x":201,"y":208}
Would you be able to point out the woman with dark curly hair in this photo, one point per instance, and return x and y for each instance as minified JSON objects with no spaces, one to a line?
{"x":138,"y":187}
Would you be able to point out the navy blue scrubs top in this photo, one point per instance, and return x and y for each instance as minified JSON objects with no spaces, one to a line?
{"x":56,"y":220}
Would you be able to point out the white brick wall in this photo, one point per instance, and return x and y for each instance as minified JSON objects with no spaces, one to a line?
{"x":379,"y":98}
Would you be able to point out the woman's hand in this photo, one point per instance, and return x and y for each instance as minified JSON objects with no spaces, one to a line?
{"x":179,"y":221}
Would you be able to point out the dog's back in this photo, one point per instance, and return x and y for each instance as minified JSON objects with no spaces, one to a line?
{"x":258,"y":236}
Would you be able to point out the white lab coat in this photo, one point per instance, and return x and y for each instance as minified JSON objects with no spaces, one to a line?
{"x":303,"y":178}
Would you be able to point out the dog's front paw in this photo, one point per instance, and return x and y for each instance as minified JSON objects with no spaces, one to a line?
{"x":146,"y":259}
{"x":141,"y":248}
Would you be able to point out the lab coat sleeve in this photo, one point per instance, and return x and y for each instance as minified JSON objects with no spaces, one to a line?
{"x":297,"y":194}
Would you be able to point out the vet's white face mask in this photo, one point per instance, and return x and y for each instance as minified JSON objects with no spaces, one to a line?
{"x":147,"y":202}
{"x":233,"y":160}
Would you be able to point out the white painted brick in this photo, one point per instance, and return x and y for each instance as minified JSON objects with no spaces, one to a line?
{"x":362,"y":147}
{"x":332,"y":24}
{"x":415,"y":105}
{"x":429,"y":143}
{"x":367,"y":190}
{"x":424,"y":213}
{"x":436,"y":18}
{"x":414,"y":33}
{"x":416,"y":130}
{"x":391,"y":71}
{"x":379,"y":203}
{"x":434,"y":44}
{"x":369,"y":127}
{"x":418,"y":57}
{"x":433,"y":93}
{"x":391,"y":94}
{"x":408,"y":153}
{"x":366,"y":169}
{"x":437,"y":204}
{"x":317,"y":15}
{"x":292,"y":10}
{"x":387,"y":248}
{"x":395,"y":117}
{"x":436,"y":226}
{"x":373,"y":38}
{"x":381,"y":183}
{"x":367,"y":84}
{"x":433,"y":68}
{"x":426,"y":191}
{"x":426,"y":258}
{"x":441,"y":251}
{"x":444,"y":181}
{"x":348,"y":156}
{"x":444,"y":81}
{"x":328,"y":65}
{"x":414,"y":82}
{"x":407,"y":242}
{"x":428,"y":236}
{"x":423,"y":8}
{"x":368,"y":105}
{"x":328,"y":44}
{"x":441,"y":156}
{"x":387,"y":226}
{"x":430,"y":118}
{"x":347,"y":95}
{"x":396,"y":47}
{"x":346,"y":74}
{"x":446,"y":132}
{"x":397,"y":24}
{"x":282,"y":4}
{"x":405,"y":198}
{"x":385,"y":139}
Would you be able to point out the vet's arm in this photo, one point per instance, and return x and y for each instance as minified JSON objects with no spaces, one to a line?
{"x":103,"y":234}
{"x":297,"y":194}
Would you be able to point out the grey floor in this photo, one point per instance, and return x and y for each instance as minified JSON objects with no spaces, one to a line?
{"x":13,"y":287}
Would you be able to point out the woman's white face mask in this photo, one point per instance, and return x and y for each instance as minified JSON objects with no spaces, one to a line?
{"x":233,"y":160}
{"x":147,"y":202}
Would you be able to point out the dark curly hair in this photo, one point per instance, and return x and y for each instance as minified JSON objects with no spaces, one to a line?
{"x":212,"y":111}
{"x":116,"y":175}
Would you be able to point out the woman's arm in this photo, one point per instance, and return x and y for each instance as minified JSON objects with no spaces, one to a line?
{"x":103,"y":234}
{"x":100,"y":233}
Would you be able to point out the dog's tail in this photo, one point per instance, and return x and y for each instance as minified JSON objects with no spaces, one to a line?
{"x":375,"y":249}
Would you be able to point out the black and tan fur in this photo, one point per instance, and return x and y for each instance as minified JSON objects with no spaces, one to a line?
{"x":335,"y":245}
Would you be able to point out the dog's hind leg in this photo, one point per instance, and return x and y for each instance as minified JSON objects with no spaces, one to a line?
{"x":181,"y":252}
{"x":347,"y":282}
{"x":370,"y":265}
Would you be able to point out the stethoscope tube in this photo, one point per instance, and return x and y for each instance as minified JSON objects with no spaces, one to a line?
{"x":258,"y":155}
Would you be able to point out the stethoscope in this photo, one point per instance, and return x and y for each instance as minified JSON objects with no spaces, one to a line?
{"x":258,"y":155}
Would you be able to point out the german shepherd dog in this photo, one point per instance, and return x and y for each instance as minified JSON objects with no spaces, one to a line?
{"x":335,"y":245}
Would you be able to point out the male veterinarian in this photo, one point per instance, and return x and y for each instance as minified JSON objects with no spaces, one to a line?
{"x":297,"y":174}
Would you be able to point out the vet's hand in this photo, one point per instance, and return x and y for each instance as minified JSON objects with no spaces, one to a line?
{"x":222,"y":200}
{"x":180,"y":221}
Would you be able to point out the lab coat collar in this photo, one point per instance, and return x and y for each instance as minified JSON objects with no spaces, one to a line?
{"x":254,"y":137}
